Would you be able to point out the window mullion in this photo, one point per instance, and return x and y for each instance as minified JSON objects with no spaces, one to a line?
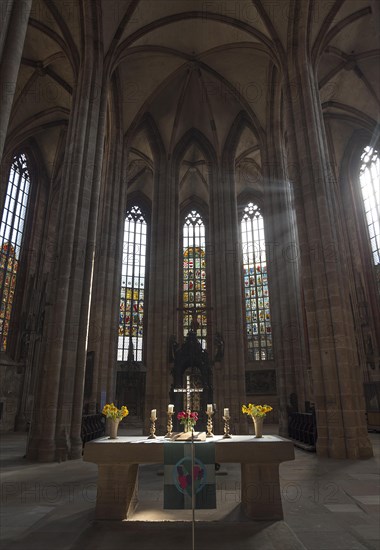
{"x":257,"y":313}
{"x":135,"y":285}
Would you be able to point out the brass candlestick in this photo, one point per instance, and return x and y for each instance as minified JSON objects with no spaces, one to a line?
{"x":169,"y":426}
{"x":152,"y":428}
{"x":227,"y":427}
{"x":209,"y":424}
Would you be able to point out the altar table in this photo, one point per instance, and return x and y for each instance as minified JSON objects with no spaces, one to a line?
{"x":118,"y":461}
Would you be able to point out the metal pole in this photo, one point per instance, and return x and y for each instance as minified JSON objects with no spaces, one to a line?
{"x":192,"y":487}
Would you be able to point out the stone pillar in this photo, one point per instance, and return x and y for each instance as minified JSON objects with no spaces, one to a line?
{"x":105,"y":302}
{"x":229,"y":374}
{"x":290,"y":353}
{"x":56,"y":429}
{"x":337,"y":384}
{"x":163,"y":290}
{"x":14,"y":16}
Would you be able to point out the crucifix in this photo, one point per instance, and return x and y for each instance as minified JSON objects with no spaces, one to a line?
{"x":188,"y":390}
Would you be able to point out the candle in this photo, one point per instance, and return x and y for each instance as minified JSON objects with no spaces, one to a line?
{"x":170,"y":408}
{"x":209,"y":408}
{"x":226,"y":413}
{"x":153,"y":414}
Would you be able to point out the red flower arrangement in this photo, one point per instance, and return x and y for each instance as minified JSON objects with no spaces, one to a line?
{"x":188,"y":419}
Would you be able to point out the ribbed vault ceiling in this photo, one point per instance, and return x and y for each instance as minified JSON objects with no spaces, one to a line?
{"x":195,"y":64}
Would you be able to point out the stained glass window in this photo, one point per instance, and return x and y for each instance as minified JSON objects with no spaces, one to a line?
{"x":370,"y":186}
{"x":256,"y":294}
{"x":132,"y":294}
{"x":11,"y":238}
{"x":194,"y":277}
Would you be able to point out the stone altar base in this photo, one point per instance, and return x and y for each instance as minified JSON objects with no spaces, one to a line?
{"x":259,"y":459}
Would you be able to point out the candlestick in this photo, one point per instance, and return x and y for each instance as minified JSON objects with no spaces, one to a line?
{"x":171,"y":409}
{"x":209,"y":413}
{"x":152,"y":427}
{"x":226,"y":426}
{"x":169,"y":424}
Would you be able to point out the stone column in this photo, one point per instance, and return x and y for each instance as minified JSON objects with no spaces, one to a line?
{"x":291,"y":357}
{"x":163,"y":290}
{"x":56,"y":434}
{"x":14,"y":16}
{"x":105,"y":302}
{"x":337,"y":384}
{"x":229,"y":374}
{"x":82,"y":283}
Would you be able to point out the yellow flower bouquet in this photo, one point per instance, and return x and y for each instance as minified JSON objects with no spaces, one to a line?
{"x":256,"y":411}
{"x":111,"y":411}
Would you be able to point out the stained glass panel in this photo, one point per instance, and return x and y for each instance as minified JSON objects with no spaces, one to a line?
{"x":194,"y":277}
{"x":256,"y":294}
{"x":131,"y":315}
{"x":370,"y":186}
{"x":11,"y":237}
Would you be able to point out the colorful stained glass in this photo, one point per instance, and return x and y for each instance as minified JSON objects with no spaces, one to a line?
{"x":255,"y":280}
{"x":11,"y":238}
{"x":370,"y":186}
{"x":131,"y":314}
{"x":194,"y":277}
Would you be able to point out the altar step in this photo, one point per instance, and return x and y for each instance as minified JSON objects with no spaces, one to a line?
{"x":171,"y":535}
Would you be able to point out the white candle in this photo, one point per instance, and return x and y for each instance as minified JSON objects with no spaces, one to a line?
{"x":170,"y":408}
{"x":209,"y":408}
{"x":153,"y":414}
{"x":226,"y":413}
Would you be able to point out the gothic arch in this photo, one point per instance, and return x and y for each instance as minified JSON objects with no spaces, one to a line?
{"x":194,"y":136}
{"x":139,"y":199}
{"x":148,"y":125}
{"x":241,"y":122}
{"x":249,"y":196}
{"x":244,"y":169}
{"x":194,"y":203}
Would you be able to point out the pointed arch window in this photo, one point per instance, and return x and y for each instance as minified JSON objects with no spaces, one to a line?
{"x":11,"y":239}
{"x":132,"y":294}
{"x":370,"y":187}
{"x":194,"y":277}
{"x":256,"y":293}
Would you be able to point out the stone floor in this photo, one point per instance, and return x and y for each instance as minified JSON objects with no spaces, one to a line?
{"x":328,"y":505}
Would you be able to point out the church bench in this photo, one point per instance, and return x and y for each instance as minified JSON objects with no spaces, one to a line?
{"x":302,"y":428}
{"x":93,"y":426}
{"x":118,"y":461}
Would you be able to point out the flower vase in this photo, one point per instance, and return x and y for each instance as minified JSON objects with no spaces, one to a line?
{"x":187,"y":427}
{"x":114,"y":425}
{"x":258,"y":423}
